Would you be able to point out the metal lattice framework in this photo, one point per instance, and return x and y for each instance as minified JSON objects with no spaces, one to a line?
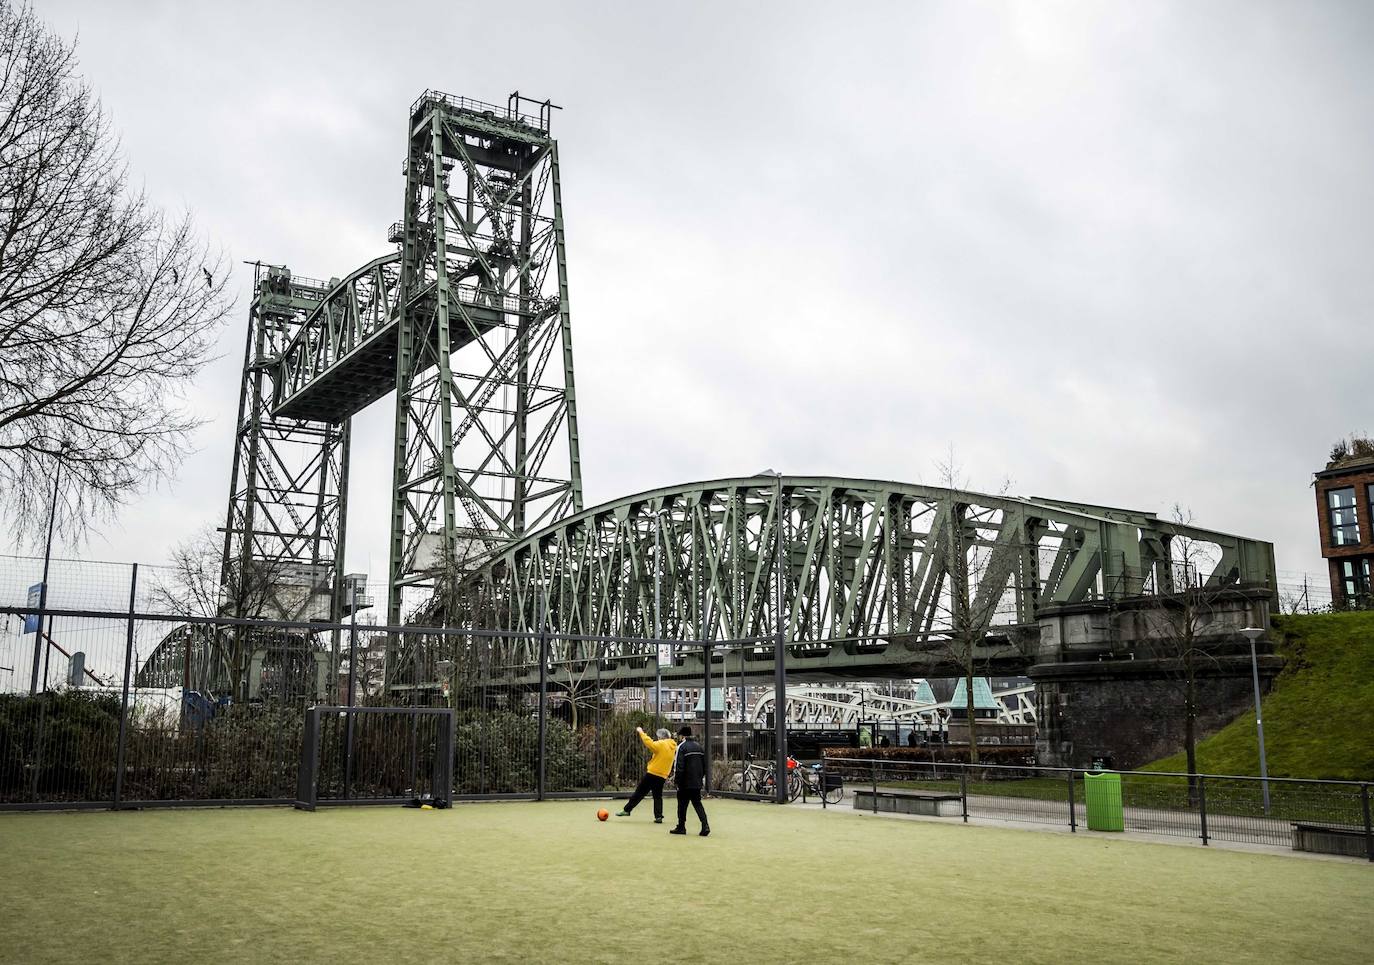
{"x":468,"y":322}
{"x":876,"y":575}
{"x":284,"y":528}
{"x":482,"y":265}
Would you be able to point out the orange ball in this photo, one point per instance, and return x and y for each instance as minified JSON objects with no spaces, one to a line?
{"x":603,"y":814}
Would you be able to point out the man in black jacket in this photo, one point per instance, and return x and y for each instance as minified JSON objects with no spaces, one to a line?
{"x":690,"y":775}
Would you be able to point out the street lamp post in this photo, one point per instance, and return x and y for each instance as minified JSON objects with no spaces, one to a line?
{"x":39,"y":647}
{"x":1252,"y":634}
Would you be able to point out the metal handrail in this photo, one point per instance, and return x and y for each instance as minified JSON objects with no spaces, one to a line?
{"x":890,"y":761}
{"x":482,"y":108}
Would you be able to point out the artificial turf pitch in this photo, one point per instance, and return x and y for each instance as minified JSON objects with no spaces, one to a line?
{"x":547,"y":882}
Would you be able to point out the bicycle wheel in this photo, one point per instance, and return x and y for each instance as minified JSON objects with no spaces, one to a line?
{"x":832,"y":795}
{"x":794,"y":786}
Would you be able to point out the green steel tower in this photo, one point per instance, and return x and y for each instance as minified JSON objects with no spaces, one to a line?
{"x":468,"y":323}
{"x":484,"y":371}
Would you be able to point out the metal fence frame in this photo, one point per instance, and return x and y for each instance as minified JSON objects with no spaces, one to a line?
{"x":307,"y":780}
{"x":129,"y":618}
{"x":1342,"y":806}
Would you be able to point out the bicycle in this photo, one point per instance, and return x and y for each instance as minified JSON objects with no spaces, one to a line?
{"x":829,"y":787}
{"x":759,"y":779}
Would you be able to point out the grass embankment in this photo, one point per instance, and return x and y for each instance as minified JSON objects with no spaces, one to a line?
{"x":546,"y":882}
{"x":1319,"y":715}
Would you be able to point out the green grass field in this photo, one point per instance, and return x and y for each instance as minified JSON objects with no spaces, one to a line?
{"x":547,"y":882}
{"x":1318,"y":715}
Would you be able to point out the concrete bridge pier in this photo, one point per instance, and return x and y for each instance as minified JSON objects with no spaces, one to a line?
{"x":1109,"y":680}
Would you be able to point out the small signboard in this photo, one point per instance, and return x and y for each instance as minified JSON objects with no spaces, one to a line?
{"x":35,"y":601}
{"x":665,"y":654}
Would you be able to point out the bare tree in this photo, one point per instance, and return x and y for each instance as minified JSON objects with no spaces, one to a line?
{"x":1183,"y":628}
{"x":976,"y":587}
{"x":107,"y":306}
{"x":197,"y":584}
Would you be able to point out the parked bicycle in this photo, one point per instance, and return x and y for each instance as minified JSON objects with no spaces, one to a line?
{"x":759,"y":779}
{"x":828,"y":786}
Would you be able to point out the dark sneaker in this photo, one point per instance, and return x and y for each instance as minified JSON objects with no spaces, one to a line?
{"x":622,"y":814}
{"x":678,"y":831}
{"x":705,"y":832}
{"x":658,"y":820}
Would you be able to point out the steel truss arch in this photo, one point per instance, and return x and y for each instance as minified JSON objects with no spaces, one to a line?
{"x":873,"y":571}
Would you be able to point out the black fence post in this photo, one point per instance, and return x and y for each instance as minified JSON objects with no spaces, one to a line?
{"x":597,"y":782}
{"x":873,"y":770}
{"x":1202,"y":804}
{"x":543,"y":708}
{"x":1073,"y":817}
{"x":779,"y":715}
{"x":124,"y":696}
{"x":42,"y":699}
{"x":352,"y":693}
{"x":1368,"y":827}
{"x":706,"y":727}
{"x":963,"y":789}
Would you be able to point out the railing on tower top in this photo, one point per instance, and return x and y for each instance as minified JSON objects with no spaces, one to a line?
{"x":489,"y":111}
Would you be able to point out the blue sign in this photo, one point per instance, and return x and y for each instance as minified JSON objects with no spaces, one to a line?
{"x":35,"y":601}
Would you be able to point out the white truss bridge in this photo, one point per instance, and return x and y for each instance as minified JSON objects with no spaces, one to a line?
{"x":847,"y":705}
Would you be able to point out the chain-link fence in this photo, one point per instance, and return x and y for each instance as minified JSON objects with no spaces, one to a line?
{"x":115,"y":696}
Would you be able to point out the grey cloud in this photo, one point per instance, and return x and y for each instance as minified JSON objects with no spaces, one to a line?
{"x":1113,"y":250}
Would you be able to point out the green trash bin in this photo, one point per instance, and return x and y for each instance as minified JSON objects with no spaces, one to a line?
{"x":1102,"y":794}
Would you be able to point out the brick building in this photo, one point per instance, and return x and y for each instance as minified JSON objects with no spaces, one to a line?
{"x":1345,"y":519}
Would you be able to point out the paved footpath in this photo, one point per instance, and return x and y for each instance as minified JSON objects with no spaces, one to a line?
{"x":1181,"y":828}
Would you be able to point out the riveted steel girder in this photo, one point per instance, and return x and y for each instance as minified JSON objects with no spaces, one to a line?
{"x":486,"y":430}
{"x":469,"y":323}
{"x":872,"y":571}
{"x":285,"y":524}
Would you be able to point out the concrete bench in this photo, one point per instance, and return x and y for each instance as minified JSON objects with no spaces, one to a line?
{"x":1330,"y":839}
{"x":932,"y":803}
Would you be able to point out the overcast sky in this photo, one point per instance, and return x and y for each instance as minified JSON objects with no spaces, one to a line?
{"x":1116,"y":252}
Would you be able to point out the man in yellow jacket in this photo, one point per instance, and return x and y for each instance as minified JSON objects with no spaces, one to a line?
{"x":657,"y":771}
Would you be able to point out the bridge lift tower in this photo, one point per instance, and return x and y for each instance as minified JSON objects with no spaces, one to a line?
{"x":468,"y":322}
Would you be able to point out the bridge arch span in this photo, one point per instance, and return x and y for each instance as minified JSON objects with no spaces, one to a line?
{"x":866,"y":565}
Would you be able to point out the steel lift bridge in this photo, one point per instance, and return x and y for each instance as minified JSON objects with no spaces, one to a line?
{"x":468,"y":322}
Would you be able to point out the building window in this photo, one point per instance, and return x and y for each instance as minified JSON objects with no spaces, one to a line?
{"x":1345,"y":526}
{"x":1355,"y":578}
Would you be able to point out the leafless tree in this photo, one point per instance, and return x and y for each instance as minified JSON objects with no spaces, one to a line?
{"x":973,"y":601}
{"x":1183,"y":629}
{"x":108,"y":307}
{"x":196,"y":584}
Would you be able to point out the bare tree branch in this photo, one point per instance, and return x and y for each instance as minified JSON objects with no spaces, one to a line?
{"x":104,"y":312}
{"x":198,"y":584}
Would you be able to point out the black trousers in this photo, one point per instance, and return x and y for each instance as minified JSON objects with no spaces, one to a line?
{"x":648,"y":783}
{"x":694,"y":796}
